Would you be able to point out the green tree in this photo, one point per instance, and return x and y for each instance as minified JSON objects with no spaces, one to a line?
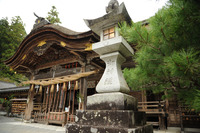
{"x":53,"y":16}
{"x":11,"y":35}
{"x":7,"y":102}
{"x":168,"y":52}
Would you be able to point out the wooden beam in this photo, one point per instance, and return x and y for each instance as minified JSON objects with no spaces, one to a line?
{"x":81,"y":56}
{"x":95,"y":77}
{"x":100,"y":66}
{"x":60,"y":62}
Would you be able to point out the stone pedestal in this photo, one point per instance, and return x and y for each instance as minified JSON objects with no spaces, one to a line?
{"x":110,"y":113}
{"x":76,"y":128}
{"x":112,"y":79}
{"x":113,"y":52}
{"x":109,"y":121}
{"x":111,"y":101}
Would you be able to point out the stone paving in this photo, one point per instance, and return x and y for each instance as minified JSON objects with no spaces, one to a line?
{"x":13,"y":125}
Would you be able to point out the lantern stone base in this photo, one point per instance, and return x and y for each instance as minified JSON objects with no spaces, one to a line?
{"x":109,"y":121}
{"x":75,"y":128}
{"x":110,"y":113}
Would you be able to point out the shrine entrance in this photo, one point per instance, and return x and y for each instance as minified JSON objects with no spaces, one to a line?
{"x":57,"y":103}
{"x":57,"y":99}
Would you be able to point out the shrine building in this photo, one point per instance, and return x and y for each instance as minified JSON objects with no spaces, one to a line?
{"x":63,"y":70}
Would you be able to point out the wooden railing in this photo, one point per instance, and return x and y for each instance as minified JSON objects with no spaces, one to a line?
{"x":189,"y":117}
{"x":52,"y":117}
{"x":152,"y":107}
{"x":41,"y":116}
{"x":57,"y":117}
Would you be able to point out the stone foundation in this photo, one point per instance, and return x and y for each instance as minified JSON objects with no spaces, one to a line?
{"x":109,"y":121}
{"x":111,"y":118}
{"x":110,"y":113}
{"x":76,"y":128}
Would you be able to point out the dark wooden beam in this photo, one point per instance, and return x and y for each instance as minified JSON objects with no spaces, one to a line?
{"x":79,"y":55}
{"x":95,"y":77}
{"x":60,"y":62}
{"x":97,"y":64}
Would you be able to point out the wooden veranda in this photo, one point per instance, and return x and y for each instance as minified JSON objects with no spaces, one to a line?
{"x":166,"y":113}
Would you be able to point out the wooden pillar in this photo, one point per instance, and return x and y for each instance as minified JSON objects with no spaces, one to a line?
{"x":144,"y":99}
{"x":29,"y":106}
{"x":84,"y":93}
{"x":167,"y":103}
{"x":162,"y":124}
{"x":167,"y":110}
{"x":83,"y":88}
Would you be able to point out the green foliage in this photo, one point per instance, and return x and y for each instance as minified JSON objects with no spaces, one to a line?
{"x":80,"y":98}
{"x":53,"y":16}
{"x":7,"y":102}
{"x":168,"y":51}
{"x":11,"y":36}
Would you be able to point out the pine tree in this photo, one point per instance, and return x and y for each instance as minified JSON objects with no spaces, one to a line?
{"x":53,"y":16}
{"x":168,"y":52}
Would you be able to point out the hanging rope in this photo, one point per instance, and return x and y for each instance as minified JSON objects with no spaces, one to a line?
{"x":57,"y":87}
{"x":68,"y":117}
{"x":65,"y":91}
{"x":40,"y":89}
{"x":47,"y":98}
{"x":45,"y":82}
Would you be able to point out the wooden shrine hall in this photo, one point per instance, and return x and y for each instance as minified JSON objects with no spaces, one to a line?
{"x":61,"y":67}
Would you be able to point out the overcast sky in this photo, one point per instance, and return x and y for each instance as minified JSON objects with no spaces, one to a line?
{"x":72,"y":12}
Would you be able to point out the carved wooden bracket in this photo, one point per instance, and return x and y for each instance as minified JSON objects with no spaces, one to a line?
{"x":40,"y":49}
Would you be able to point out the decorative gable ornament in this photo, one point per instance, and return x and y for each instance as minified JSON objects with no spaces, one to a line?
{"x":39,"y":22}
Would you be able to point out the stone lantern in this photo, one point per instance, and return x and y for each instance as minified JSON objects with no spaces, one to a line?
{"x":111,"y":110}
{"x":113,"y":50}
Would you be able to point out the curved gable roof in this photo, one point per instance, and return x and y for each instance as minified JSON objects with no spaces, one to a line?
{"x":64,"y":37}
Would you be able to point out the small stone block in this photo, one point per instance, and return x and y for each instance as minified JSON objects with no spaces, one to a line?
{"x":75,"y":128}
{"x":111,"y":101}
{"x":112,"y":118}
